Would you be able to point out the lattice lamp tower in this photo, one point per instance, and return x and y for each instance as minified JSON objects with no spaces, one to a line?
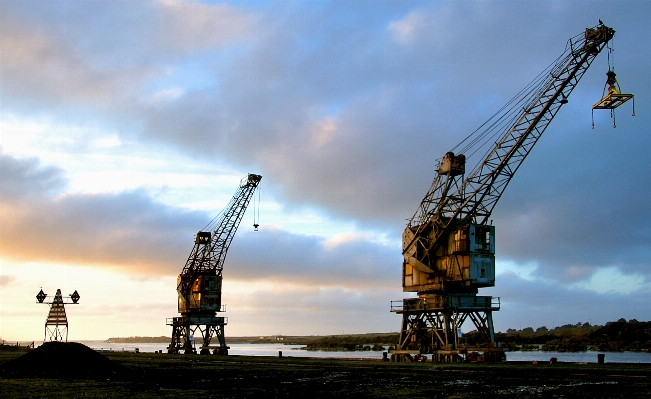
{"x":56,"y":324}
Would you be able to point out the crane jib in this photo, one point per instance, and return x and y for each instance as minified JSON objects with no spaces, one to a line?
{"x":210,"y":248}
{"x":478,"y":194}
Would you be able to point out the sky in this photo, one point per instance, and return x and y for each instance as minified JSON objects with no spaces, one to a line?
{"x":125,"y":127}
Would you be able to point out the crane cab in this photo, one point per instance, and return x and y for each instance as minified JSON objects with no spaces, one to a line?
{"x":462,"y":259}
{"x":451,"y":164}
{"x":203,"y":237}
{"x":205,"y":295}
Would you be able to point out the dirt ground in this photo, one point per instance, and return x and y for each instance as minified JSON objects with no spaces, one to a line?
{"x":147,"y":375}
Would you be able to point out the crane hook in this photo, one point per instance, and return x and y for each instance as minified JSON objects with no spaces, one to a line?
{"x":613,"y":97}
{"x":256,"y":212}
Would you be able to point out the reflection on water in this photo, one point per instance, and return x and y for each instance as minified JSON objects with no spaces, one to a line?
{"x":295,"y":351}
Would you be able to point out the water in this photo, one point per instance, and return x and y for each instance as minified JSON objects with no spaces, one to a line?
{"x":246,"y":349}
{"x":580,"y":357}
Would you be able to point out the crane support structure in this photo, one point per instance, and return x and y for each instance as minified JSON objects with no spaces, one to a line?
{"x":449,"y":244}
{"x":199,"y":286}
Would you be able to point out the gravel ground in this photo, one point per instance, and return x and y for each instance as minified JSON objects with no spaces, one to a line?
{"x":162,"y":375}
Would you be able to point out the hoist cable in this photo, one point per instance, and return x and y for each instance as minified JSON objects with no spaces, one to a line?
{"x":501,"y":121}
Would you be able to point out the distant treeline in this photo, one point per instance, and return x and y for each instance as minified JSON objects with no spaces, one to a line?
{"x":314,"y":342}
{"x":138,"y":340}
{"x":620,"y":335}
{"x":370,"y":342}
{"x":199,"y":339}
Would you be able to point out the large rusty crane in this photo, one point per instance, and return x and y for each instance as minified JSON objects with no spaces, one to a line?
{"x":449,"y":243}
{"x":199,"y":286}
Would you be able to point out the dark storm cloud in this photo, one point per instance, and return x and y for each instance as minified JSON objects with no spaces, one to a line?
{"x":347,"y":106}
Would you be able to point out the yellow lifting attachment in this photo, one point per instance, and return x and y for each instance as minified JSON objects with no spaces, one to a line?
{"x":613,"y":99}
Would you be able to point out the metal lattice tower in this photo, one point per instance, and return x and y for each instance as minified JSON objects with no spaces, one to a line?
{"x":56,"y":324}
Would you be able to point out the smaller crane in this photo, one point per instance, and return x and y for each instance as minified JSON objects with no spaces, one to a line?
{"x":199,"y":285}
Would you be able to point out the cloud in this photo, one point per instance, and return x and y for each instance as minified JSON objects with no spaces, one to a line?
{"x":189,"y":25}
{"x":124,"y":230}
{"x":77,"y":58}
{"x":25,"y":178}
{"x":338,"y":114}
{"x":291,"y":309}
{"x":345,"y":238}
{"x":351,"y":121}
{"x":526,"y":303}
{"x":6,"y":280}
{"x":43,"y":68}
{"x":131,"y":231}
{"x":284,"y":257}
{"x":405,"y":28}
{"x":581,"y":213}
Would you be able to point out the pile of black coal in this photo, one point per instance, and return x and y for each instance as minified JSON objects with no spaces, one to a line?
{"x":62,"y":360}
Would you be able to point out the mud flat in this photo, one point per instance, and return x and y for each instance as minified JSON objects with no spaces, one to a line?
{"x":161,"y":375}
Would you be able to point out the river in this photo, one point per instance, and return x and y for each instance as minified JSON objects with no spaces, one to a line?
{"x":246,"y":349}
{"x":243,"y":349}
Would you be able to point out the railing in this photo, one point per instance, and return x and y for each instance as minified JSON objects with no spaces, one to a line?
{"x":459,"y":302}
{"x":26,"y":344}
{"x":195,"y":320}
{"x":496,"y":303}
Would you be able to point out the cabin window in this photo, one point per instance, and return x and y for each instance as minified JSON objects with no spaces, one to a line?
{"x":483,"y":240}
